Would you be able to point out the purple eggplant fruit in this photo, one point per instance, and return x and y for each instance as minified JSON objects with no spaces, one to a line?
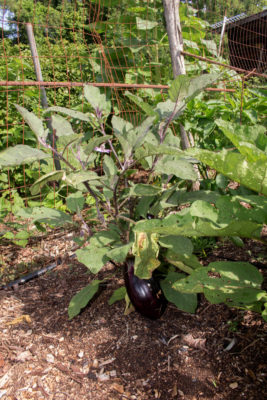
{"x":145,"y":294}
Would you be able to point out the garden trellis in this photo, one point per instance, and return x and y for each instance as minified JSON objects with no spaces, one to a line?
{"x":114,"y":44}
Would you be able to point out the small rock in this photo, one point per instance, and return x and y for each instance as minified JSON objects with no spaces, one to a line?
{"x":2,"y":393}
{"x":103,"y":377}
{"x":174,"y":390}
{"x":95,"y":363}
{"x":118,"y":388}
{"x":106,"y":362}
{"x":113,"y":373}
{"x":50,"y":358}
{"x":81,"y":353}
{"x":233,"y":385}
{"x":24,"y":356}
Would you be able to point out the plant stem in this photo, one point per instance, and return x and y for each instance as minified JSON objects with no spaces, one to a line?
{"x":102,"y":130}
{"x":99,"y":214}
{"x":122,"y":203}
{"x":126,"y":219}
{"x":163,"y":129}
{"x":47,"y":146}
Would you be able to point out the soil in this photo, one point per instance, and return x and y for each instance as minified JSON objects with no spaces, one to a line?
{"x":217,"y":353}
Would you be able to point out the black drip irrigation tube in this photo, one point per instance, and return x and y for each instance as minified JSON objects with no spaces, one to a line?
{"x":34,"y":274}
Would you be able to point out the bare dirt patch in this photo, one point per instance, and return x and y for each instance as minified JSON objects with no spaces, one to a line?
{"x":218,"y":353}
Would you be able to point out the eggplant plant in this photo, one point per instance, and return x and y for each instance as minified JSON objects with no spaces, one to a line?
{"x":161,"y":243}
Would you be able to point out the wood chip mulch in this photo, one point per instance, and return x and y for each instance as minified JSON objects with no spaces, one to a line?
{"x":218,"y":353}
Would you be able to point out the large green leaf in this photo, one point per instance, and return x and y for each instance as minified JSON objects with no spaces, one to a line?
{"x":75,"y":202}
{"x":33,"y":121}
{"x":118,"y":294}
{"x":234,"y":283}
{"x":142,"y":189}
{"x":187,"y":225}
{"x":97,"y":100}
{"x":19,"y":155}
{"x":149,"y":149}
{"x":199,"y":83}
{"x":251,"y":152}
{"x":256,"y":201}
{"x":178,"y":244}
{"x":179,"y":88}
{"x":71,"y":113}
{"x":245,"y":139}
{"x":177,"y":167}
{"x":169,"y":109}
{"x":143,"y":206}
{"x":203,"y":209}
{"x":103,"y":238}
{"x":185,"y":262}
{"x":45,"y":215}
{"x":230,"y":207}
{"x":61,"y":125}
{"x":236,"y":167}
{"x":183,"y":197}
{"x":237,"y":133}
{"x":82,"y":298}
{"x":109,"y":166}
{"x":184,"y":301}
{"x":144,"y":25}
{"x":50,"y":177}
{"x":94,"y":258}
{"x":142,"y":104}
{"x":142,"y":131}
{"x":119,"y":253}
{"x":125,"y":133}
{"x":111,"y":176}
{"x":76,"y":178}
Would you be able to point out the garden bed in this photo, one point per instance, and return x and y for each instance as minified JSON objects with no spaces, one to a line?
{"x":217,"y":353}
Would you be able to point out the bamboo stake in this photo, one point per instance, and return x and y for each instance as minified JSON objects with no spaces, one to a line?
{"x":38,"y":73}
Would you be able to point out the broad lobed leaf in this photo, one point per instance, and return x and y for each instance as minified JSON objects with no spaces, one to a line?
{"x":19,"y":155}
{"x":82,"y":298}
{"x":234,"y":283}
{"x":183,"y":301}
{"x":33,"y":121}
{"x":71,"y":113}
{"x":236,"y":167}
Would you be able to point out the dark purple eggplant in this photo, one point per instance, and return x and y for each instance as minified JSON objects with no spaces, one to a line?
{"x":145,"y":294}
